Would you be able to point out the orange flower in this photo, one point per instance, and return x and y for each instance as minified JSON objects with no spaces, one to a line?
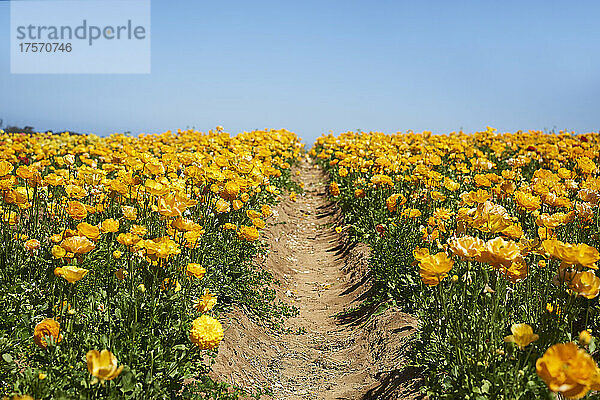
{"x":394,"y":201}
{"x":71,"y":273}
{"x":32,"y":244}
{"x":76,"y":210}
{"x":334,"y":189}
{"x":78,"y":245}
{"x":586,"y":284}
{"x":110,"y":225}
{"x":568,"y":370}
{"x":47,"y":329}
{"x":522,"y":335}
{"x":128,"y":239}
{"x":90,"y":231}
{"x":196,"y":270}
{"x":435,"y":268}
{"x":248,"y":233}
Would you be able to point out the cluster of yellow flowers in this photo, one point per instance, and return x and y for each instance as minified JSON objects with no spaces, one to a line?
{"x":144,"y":209}
{"x":516,"y":203}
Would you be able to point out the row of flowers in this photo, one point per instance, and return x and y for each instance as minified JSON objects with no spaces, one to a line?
{"x":123,"y":244}
{"x":476,"y":234}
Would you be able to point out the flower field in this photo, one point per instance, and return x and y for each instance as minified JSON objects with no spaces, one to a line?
{"x":119,"y":253}
{"x":121,"y":257}
{"x":491,"y":241}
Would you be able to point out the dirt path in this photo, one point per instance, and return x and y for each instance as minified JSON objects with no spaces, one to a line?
{"x":322,"y":277}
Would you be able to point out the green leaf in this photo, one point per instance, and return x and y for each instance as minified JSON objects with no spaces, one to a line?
{"x":7,"y":357}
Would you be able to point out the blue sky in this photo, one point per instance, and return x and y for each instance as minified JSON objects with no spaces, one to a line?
{"x":315,"y":66}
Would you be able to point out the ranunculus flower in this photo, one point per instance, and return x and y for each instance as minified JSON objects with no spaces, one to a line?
{"x":78,"y":245}
{"x":206,"y":332}
{"x":334,"y":189}
{"x":109,"y":225}
{"x":585,"y":284}
{"x":222,"y":206}
{"x":434,"y":268}
{"x":206,"y":302}
{"x":71,"y":273}
{"x":196,"y":270}
{"x":103,"y":365}
{"x":568,"y":370}
{"x":76,"y":210}
{"x":522,"y":335}
{"x":88,"y":230}
{"x":48,"y":328}
{"x":466,"y":247}
{"x":248,"y":233}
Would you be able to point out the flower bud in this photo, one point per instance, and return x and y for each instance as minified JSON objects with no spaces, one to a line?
{"x":585,"y":338}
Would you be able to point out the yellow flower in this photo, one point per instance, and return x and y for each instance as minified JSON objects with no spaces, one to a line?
{"x":382,"y":180}
{"x":90,"y":231}
{"x":500,"y":253}
{"x":71,"y":273}
{"x":5,"y":168}
{"x":206,"y":302}
{"x":196,"y":270}
{"x":228,"y":226}
{"x":48,"y":328}
{"x":522,"y":335}
{"x":585,"y":284}
{"x":58,"y":252}
{"x":420,"y":253}
{"x":434,"y":268}
{"x":568,"y":370}
{"x":527,"y":201}
{"x":128,"y":239}
{"x":103,"y":365}
{"x":78,"y":245}
{"x":585,"y":337}
{"x":466,"y":247}
{"x":231,"y":191}
{"x":579,"y":254}
{"x":334,"y":189}
{"x":222,"y":206}
{"x":129,"y":212}
{"x":170,"y":206}
{"x":139,"y":230}
{"x":266,"y":211}
{"x":248,"y":233}
{"x":76,"y":210}
{"x":251,"y":214}
{"x":394,"y":201}
{"x":206,"y":332}
{"x":109,"y":225}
